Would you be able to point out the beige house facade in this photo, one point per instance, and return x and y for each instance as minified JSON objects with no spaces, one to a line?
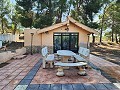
{"x":66,"y":35}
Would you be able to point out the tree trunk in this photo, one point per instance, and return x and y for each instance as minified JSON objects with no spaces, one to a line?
{"x":69,"y":10}
{"x":116,"y":38}
{"x":15,"y":28}
{"x":113,"y":23}
{"x":50,"y":8}
{"x":102,"y":23}
{"x":101,"y":33}
{"x":61,"y":12}
{"x":31,"y":22}
{"x":93,"y":38}
{"x":102,"y":28}
{"x":2,"y":26}
{"x":119,"y":39}
{"x":38,"y":6}
{"x":112,"y":35}
{"x":59,"y":16}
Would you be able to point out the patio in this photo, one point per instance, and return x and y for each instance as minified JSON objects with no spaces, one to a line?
{"x":27,"y":74}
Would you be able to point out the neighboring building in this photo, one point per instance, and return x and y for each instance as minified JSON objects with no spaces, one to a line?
{"x":66,"y":35}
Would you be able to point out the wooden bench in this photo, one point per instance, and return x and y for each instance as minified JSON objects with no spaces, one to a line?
{"x":79,"y":64}
{"x":47,"y":57}
{"x":83,"y":55}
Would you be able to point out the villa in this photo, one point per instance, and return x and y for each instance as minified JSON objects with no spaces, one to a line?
{"x":60,"y":59}
{"x":66,"y":35}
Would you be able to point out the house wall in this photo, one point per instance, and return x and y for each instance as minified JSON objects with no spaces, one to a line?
{"x":46,"y":39}
{"x":36,"y":37}
{"x":36,"y":40}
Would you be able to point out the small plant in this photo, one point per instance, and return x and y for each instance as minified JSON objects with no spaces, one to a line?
{"x":4,"y":43}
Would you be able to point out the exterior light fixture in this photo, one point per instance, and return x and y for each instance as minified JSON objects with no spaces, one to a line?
{"x":31,"y":42}
{"x":46,"y":32}
{"x":67,"y":29}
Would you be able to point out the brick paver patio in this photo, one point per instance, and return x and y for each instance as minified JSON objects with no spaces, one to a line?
{"x":27,"y":74}
{"x":109,"y":67}
{"x":13,"y":73}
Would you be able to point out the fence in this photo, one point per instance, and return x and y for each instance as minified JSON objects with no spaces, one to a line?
{"x":9,"y":37}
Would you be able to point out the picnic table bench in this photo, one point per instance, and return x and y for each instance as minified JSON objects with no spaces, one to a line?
{"x":79,"y":64}
{"x":83,"y":55}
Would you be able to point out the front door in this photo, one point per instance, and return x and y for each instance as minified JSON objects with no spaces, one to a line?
{"x":66,"y":41}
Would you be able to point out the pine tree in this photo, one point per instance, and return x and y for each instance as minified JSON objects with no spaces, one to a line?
{"x":4,"y":11}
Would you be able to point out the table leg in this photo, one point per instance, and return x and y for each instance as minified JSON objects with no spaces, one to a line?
{"x":65,"y":60}
{"x":51,"y":64}
{"x":60,"y":71}
{"x":44,"y":63}
{"x":82,"y":71}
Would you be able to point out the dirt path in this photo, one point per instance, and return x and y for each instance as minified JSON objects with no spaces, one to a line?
{"x":107,"y":52}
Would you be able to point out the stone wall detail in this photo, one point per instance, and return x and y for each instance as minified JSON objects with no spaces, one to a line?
{"x":37,"y":49}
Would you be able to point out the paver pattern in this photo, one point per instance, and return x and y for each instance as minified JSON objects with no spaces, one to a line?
{"x":105,"y":86}
{"x":109,"y":67}
{"x":27,"y":73}
{"x":100,"y":62}
{"x":48,"y":76}
{"x":13,"y":73}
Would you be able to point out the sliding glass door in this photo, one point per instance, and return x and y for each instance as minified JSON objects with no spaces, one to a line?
{"x":66,"y":41}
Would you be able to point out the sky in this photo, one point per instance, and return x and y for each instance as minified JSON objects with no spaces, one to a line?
{"x":12,"y":1}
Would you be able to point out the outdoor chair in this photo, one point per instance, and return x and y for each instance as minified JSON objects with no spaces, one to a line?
{"x":47,"y":57}
{"x":83,"y":55}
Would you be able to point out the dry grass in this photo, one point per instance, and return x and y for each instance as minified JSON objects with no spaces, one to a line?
{"x":107,"y":51}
